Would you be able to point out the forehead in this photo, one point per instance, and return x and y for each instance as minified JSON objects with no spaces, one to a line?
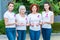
{"x":46,"y":5}
{"x":34,"y":6}
{"x":11,"y":4}
{"x":22,"y":8}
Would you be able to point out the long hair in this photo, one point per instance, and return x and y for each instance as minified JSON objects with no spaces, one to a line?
{"x":49,"y":5}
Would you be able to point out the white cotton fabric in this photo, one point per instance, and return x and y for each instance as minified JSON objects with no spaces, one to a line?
{"x":35,"y":18}
{"x":11,"y":18}
{"x":21,"y":20}
{"x":46,"y":18}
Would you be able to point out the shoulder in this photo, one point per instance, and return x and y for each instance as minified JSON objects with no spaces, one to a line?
{"x":39,"y":13}
{"x":25,"y":15}
{"x":30,"y":14}
{"x":51,"y":12}
{"x":43,"y":11}
{"x":13,"y":13}
{"x":6,"y":13}
{"x":17,"y":14}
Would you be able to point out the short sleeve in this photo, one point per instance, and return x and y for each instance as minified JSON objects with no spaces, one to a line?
{"x":51,"y":13}
{"x":5,"y":15}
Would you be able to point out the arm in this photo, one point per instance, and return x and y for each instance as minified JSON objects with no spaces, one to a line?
{"x":19,"y":24}
{"x":7,"y":23}
{"x":51,"y":20}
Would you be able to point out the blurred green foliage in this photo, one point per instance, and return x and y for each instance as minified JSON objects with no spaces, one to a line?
{"x":55,"y":4}
{"x":2,"y":27}
{"x":56,"y":27}
{"x":16,"y":7}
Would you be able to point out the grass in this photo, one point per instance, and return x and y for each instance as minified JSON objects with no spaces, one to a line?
{"x":56,"y":27}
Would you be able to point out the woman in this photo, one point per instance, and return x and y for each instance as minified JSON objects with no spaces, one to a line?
{"x":34,"y":21}
{"x":9,"y":18}
{"x":21,"y":22}
{"x":47,"y":20}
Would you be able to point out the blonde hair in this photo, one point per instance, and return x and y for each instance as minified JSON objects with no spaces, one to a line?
{"x":22,"y":6}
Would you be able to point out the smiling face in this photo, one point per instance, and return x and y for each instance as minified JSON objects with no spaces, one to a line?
{"x":10,"y":7}
{"x":46,"y":6}
{"x":34,"y":9}
{"x":22,"y":10}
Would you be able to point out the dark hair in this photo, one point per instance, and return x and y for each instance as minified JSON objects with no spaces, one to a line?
{"x":10,"y":3}
{"x":49,"y":5}
{"x":34,"y":5}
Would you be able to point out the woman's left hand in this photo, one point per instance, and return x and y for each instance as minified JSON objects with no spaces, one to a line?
{"x":37,"y":24}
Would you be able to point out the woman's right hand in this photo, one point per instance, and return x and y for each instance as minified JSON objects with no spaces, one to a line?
{"x":32,"y":24}
{"x":21,"y":24}
{"x":43,"y":22}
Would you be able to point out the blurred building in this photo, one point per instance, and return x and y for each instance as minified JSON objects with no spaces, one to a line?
{"x":3,"y":7}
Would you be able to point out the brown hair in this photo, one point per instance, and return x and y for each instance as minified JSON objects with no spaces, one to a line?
{"x":34,"y":5}
{"x":49,"y":5}
{"x":10,"y":3}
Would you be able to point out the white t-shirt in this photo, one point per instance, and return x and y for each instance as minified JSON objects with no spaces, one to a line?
{"x":23,"y":20}
{"x":11,"y":18}
{"x":35,"y":18}
{"x":46,"y":18}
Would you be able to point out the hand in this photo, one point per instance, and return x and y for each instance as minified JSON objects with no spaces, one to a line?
{"x":21,"y":24}
{"x":40,"y":23}
{"x":37,"y":24}
{"x":32,"y":24}
{"x":13,"y":23}
{"x":27,"y":24}
{"x":43,"y":22}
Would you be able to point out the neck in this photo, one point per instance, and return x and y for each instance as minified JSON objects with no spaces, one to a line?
{"x":34,"y":12}
{"x":9,"y":11}
{"x":22,"y":14}
{"x":47,"y":11}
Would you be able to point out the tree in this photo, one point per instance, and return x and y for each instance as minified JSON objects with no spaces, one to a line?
{"x":55,"y":4}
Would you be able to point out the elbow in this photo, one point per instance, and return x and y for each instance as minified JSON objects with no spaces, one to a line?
{"x":52,"y":22}
{"x":27,"y":24}
{"x":6,"y":24}
{"x":41,"y":23}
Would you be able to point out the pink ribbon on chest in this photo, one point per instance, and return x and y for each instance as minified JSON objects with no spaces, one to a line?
{"x":38,"y":16}
{"x":46,"y":15}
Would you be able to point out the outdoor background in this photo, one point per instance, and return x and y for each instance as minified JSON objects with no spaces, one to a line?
{"x":55,"y":4}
